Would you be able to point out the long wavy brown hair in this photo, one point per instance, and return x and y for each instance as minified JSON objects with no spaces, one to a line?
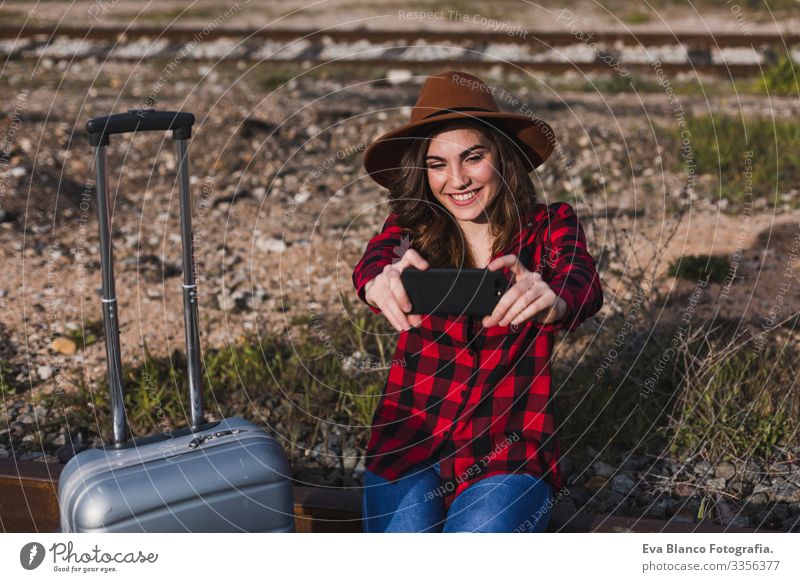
{"x":437,"y":235}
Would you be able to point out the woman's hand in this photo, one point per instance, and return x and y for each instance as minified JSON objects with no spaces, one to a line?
{"x":528,"y":299}
{"x":386,"y":291}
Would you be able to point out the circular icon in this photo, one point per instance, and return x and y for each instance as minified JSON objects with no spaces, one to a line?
{"x":31,"y":555}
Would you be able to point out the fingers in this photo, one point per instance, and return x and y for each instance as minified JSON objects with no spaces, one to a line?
{"x":540,"y":300}
{"x":508,"y":299}
{"x":515,"y":300}
{"x":520,"y":294}
{"x":399,"y":292}
{"x":509,"y":261}
{"x":540,"y":304}
{"x":397,"y":301}
{"x":392,"y":300}
{"x":367,"y":288}
{"x":396,"y":316}
{"x":415,"y":319}
{"x":412,"y":258}
{"x":502,"y":262}
{"x":389,"y":294}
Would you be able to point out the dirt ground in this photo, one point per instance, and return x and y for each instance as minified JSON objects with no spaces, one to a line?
{"x":283,"y":207}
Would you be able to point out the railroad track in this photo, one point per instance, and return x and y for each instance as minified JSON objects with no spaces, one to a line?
{"x":728,"y":54}
{"x":29,"y":503}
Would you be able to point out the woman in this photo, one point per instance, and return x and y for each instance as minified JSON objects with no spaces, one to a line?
{"x":463,"y":435}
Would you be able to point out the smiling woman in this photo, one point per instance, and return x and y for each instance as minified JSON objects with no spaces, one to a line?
{"x":471,"y":187}
{"x":459,"y":189}
{"x":462,"y":188}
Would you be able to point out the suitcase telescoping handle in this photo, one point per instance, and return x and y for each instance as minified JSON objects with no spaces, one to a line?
{"x":140,"y":120}
{"x":100,"y":128}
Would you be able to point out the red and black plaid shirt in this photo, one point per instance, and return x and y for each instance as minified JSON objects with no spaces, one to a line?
{"x":476,"y":399}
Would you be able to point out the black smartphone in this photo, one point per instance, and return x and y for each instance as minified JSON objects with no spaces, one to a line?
{"x":447,"y":291}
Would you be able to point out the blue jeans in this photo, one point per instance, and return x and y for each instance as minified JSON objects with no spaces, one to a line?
{"x":511,"y":502}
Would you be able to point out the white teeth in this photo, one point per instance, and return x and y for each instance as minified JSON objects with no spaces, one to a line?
{"x":462,"y":197}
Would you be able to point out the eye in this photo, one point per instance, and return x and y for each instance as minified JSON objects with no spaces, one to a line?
{"x":471,"y":159}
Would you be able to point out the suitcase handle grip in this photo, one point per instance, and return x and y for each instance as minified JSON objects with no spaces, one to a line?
{"x":100,"y":128}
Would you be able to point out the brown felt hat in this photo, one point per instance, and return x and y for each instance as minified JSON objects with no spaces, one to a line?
{"x":457,"y":95}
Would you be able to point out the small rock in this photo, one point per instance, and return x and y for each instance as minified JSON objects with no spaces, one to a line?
{"x":354,"y":364}
{"x":335,"y":441}
{"x":4,"y":454}
{"x":44,"y":372}
{"x":752,"y":471}
{"x":702,"y":467}
{"x":324,"y":457}
{"x":64,"y":345}
{"x":767,"y":518}
{"x":762,"y":487}
{"x":609,"y":501}
{"x":46,"y":459}
{"x":350,"y":458}
{"x":622,"y":484}
{"x":785,"y":493}
{"x":634,"y":463}
{"x":736,"y":487}
{"x":567,"y":466}
{"x":358,"y":470}
{"x":26,"y":418}
{"x":398,"y":76}
{"x":78,"y":442}
{"x":657,"y":509}
{"x":30,"y":456}
{"x":595,"y":483}
{"x":271,"y":245}
{"x":756,"y":499}
{"x":670,"y":467}
{"x":579,"y":495}
{"x":590,"y":451}
{"x":225,"y":302}
{"x":725,"y":470}
{"x":781,"y":510}
{"x":603,"y":469}
{"x":716,"y":483}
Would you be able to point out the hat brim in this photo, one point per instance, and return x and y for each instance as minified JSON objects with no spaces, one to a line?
{"x":534,"y":136}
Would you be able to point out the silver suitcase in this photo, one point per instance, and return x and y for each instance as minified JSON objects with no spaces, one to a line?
{"x":226,"y":476}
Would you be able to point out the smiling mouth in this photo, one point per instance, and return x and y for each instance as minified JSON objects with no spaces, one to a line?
{"x":465,"y":196}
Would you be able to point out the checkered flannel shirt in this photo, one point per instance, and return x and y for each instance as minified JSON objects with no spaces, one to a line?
{"x":479,"y":400}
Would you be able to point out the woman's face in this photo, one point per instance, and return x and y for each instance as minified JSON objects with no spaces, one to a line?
{"x":462,"y":168}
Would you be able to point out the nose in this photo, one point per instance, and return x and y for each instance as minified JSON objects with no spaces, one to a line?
{"x":458,"y":177}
